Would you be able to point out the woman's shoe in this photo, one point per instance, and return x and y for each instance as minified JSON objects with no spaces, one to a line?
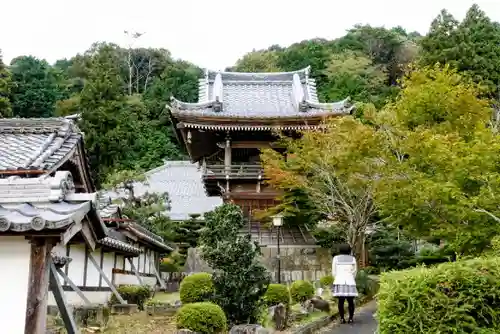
{"x":342,"y":321}
{"x":350,"y":321}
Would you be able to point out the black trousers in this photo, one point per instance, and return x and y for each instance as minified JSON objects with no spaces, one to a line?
{"x":350,"y":306}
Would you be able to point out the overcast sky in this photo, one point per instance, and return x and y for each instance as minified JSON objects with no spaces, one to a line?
{"x":209,"y":33}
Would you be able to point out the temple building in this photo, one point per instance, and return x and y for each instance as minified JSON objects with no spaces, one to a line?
{"x":236,"y":115}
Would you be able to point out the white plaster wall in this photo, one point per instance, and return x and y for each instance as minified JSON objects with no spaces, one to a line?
{"x":119,"y":262}
{"x":77,"y":265}
{"x":92,"y":272}
{"x":72,"y":298}
{"x":15,"y":260}
{"x":123,"y":279}
{"x":107,"y":266}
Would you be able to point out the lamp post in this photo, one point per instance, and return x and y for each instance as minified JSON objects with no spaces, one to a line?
{"x":277,"y":222}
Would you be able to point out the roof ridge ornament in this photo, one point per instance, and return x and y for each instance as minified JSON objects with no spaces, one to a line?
{"x":217,"y":93}
{"x":298,"y":97}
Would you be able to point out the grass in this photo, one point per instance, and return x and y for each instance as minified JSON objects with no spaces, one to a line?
{"x":166,"y":297}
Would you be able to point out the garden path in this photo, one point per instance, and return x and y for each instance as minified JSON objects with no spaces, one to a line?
{"x":364,"y":322}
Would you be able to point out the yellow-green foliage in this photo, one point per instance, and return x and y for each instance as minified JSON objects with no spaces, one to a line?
{"x":459,"y":297}
{"x":196,"y":288}
{"x":301,"y":291}
{"x":277,"y":293}
{"x":205,"y":317}
{"x":326,"y":281}
{"x":133,"y":294}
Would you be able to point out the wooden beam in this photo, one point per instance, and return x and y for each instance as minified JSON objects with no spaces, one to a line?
{"x":106,"y":279}
{"x":134,"y":269}
{"x":158,"y":277}
{"x":88,"y":236}
{"x":73,"y":286}
{"x":62,"y":305}
{"x":251,"y":144}
{"x":70,"y":233}
{"x":36,"y":303}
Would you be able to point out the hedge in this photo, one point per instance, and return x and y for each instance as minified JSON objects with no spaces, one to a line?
{"x":133,"y":294}
{"x":277,"y":293}
{"x":196,"y":288}
{"x":301,"y":291}
{"x":202,"y":317}
{"x":457,"y":297}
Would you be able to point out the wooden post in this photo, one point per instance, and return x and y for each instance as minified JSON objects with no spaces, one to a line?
{"x":64,"y":310}
{"x":38,"y":283}
{"x":227,"y":154}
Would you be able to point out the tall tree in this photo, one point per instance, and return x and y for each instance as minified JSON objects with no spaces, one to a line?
{"x":472,"y":45}
{"x":441,"y":175}
{"x":5,"y":87}
{"x":337,"y":169}
{"x":35,"y":87}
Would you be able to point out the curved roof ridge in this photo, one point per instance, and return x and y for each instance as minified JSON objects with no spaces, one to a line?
{"x":267,"y":76}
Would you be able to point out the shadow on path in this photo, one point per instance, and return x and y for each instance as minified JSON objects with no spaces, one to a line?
{"x":364,"y":322}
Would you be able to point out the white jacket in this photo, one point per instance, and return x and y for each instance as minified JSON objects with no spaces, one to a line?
{"x":344,"y":269}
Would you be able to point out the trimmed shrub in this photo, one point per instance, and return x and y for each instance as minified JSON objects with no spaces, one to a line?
{"x":326,"y":281}
{"x":277,"y":293}
{"x":458,"y":297}
{"x":196,"y":288}
{"x":133,"y":294}
{"x":301,"y":291}
{"x":202,"y":317}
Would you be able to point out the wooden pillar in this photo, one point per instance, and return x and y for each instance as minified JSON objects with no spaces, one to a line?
{"x":227,"y":152}
{"x":38,"y":286}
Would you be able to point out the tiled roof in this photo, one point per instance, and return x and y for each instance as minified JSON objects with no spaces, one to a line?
{"x":182,"y":181}
{"x":36,"y":143}
{"x":258,"y":95}
{"x":107,"y":209}
{"x":41,"y":203}
{"x":120,"y":245}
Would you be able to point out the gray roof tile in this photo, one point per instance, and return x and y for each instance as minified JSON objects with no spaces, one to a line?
{"x":41,"y":144}
{"x":183,"y":183}
{"x":259,"y":95}
{"x":41,"y":203}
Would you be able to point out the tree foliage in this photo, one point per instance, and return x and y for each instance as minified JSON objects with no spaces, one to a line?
{"x":337,"y":169}
{"x":238,"y":288}
{"x":472,"y":46}
{"x":5,"y":87}
{"x":442,"y":171}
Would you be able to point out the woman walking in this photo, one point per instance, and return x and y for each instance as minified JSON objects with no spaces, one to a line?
{"x":344,"y":269}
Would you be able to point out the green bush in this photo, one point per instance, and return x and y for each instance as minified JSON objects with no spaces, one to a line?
{"x":458,"y":297}
{"x":202,"y":317}
{"x":196,"y":288}
{"x":301,"y":291}
{"x":366,"y":285}
{"x":133,"y":294}
{"x":277,"y":293}
{"x":326,"y":281}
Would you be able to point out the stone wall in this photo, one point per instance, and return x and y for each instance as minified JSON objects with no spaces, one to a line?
{"x":296,"y":263}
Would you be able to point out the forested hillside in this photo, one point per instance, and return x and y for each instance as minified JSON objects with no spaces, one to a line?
{"x":121,"y":93}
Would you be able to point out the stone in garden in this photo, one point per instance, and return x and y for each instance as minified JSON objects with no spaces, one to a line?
{"x":248,"y":329}
{"x":319,"y":303}
{"x":185,"y":331}
{"x":279,"y":317}
{"x":177,"y":303}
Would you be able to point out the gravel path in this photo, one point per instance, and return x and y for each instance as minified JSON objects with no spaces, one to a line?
{"x":364,"y":322}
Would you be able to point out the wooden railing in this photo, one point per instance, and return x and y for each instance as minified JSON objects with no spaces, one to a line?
{"x":233,"y":171}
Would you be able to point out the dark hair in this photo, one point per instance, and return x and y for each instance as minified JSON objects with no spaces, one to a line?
{"x":344,"y":249}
